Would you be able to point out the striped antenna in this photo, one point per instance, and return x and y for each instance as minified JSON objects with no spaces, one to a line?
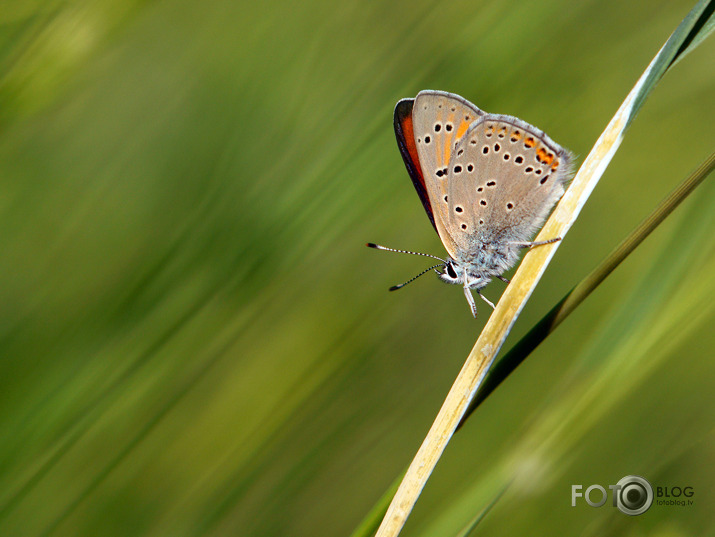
{"x":396,"y":287}
{"x":378,"y":247}
{"x":425,"y":271}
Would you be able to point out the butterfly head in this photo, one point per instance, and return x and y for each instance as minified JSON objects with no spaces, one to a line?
{"x":450,"y":271}
{"x":459,"y":274}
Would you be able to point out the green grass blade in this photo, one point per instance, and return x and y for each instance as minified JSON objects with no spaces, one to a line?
{"x":525,"y":280}
{"x":694,"y":28}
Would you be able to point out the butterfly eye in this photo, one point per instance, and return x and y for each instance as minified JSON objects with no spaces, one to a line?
{"x":450,"y":270}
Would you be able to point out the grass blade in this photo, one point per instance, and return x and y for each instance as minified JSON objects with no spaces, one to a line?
{"x":530,"y":271}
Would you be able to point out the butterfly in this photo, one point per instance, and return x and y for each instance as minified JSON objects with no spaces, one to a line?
{"x":486,"y":181}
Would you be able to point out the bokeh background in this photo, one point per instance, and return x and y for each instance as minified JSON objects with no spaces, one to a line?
{"x":194,"y":339}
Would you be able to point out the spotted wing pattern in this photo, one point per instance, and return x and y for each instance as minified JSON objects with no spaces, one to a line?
{"x":504,"y":178}
{"x":439,"y":119}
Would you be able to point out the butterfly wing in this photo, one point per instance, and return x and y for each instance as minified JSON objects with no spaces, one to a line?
{"x":505,"y":177}
{"x":404,"y":132}
{"x":427,"y":130}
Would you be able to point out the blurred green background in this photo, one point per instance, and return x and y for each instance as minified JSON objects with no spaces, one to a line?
{"x":194,"y":339}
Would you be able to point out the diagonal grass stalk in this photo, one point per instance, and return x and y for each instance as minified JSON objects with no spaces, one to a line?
{"x":688,"y":34}
{"x":523,"y":348}
{"x":614,"y":365}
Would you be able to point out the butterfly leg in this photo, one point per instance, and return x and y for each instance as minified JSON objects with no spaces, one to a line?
{"x":537,"y":243}
{"x":470,"y":300}
{"x":485,"y":299}
{"x":505,"y":280}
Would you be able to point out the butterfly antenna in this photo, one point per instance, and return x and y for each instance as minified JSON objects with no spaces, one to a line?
{"x":396,"y":287}
{"x":378,"y":247}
